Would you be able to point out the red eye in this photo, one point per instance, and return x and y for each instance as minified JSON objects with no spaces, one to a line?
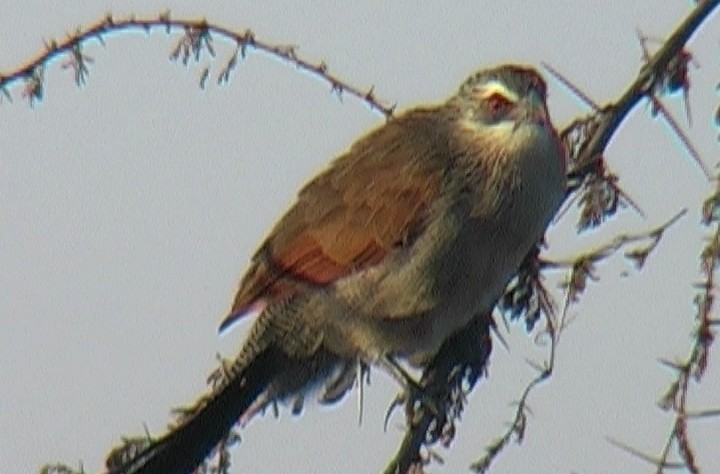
{"x":498,"y":103}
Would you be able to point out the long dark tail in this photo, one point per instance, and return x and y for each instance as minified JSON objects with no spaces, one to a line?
{"x":282,"y":355}
{"x":187,"y":446}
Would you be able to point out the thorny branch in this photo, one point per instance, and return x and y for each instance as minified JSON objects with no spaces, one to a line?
{"x":653,"y":73}
{"x":198,"y":38}
{"x":453,"y":373}
{"x":580,"y":270}
{"x":696,"y":363}
{"x":587,"y":140}
{"x":638,"y":255}
{"x":526,"y":296}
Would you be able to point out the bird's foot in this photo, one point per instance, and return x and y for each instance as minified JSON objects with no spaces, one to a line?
{"x":411,"y":394}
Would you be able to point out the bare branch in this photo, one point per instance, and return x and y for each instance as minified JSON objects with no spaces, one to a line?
{"x":461,"y":361}
{"x":197,"y":38}
{"x":650,"y":459}
{"x":651,"y":74}
{"x":639,"y":255}
{"x":695,"y":365}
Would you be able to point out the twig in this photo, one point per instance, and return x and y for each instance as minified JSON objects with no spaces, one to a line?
{"x":198,"y":38}
{"x":696,"y":363}
{"x":613,"y":114}
{"x":617,"y":243}
{"x":588,"y":153}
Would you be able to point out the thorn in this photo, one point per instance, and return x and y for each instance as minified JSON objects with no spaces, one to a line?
{"x":663,"y":112}
{"x":642,"y":39}
{"x":337,"y":89}
{"x":656,"y":462}
{"x":630,"y":201}
{"x":574,"y":89}
{"x":672,"y":365}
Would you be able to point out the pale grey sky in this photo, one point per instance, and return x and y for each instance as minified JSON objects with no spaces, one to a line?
{"x":129,"y":209}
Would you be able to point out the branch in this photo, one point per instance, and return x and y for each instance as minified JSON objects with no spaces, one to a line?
{"x":650,"y":76}
{"x":461,"y":361}
{"x":696,"y":363}
{"x":197,"y":39}
{"x":598,"y":130}
{"x":581,"y":269}
{"x":452,"y":373}
{"x":638,"y":255}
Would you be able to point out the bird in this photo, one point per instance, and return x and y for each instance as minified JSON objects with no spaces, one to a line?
{"x":388,"y":252}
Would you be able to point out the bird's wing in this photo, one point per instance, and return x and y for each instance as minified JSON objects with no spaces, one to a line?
{"x":371,"y":199}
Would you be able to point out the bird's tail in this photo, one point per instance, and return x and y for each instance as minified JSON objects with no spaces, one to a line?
{"x":187,"y":446}
{"x":280,"y":359}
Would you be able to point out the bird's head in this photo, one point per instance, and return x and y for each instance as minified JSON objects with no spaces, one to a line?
{"x":507,"y":102}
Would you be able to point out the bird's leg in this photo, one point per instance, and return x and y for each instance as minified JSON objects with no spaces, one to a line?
{"x":413,"y":390}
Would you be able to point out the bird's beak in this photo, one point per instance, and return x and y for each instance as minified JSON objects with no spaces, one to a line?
{"x":531,"y":111}
{"x":535,"y":111}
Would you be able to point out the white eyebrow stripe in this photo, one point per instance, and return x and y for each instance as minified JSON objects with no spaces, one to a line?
{"x":496,"y":87}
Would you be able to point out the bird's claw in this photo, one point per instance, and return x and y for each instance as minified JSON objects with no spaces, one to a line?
{"x":412,"y":393}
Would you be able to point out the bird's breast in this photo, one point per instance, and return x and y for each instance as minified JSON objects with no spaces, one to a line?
{"x":473,"y":268}
{"x":457,"y":267}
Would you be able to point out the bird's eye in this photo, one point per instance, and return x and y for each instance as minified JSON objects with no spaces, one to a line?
{"x":498,"y":103}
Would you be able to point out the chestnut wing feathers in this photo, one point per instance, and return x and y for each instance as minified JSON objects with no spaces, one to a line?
{"x":369,"y":200}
